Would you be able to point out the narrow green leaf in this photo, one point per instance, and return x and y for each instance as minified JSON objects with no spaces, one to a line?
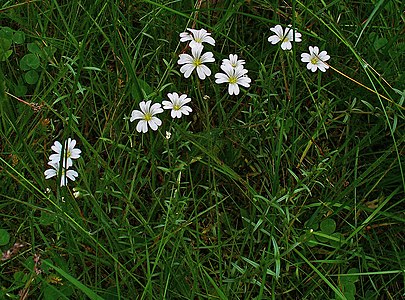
{"x":89,"y":293}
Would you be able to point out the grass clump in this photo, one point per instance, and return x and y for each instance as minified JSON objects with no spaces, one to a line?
{"x":291,"y":188}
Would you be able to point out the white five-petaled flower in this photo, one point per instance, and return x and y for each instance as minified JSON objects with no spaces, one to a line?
{"x":146,"y":116}
{"x":61,"y":161}
{"x":233,"y":76}
{"x":177,"y":105}
{"x":65,"y":173}
{"x":315,"y":59}
{"x":284,"y":36}
{"x":69,"y":152}
{"x":233,"y":61}
{"x":197,"y":37}
{"x":196,"y":61}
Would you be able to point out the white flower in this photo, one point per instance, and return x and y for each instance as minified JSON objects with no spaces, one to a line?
{"x":168,"y":135}
{"x":197,"y":37}
{"x":196,"y":62}
{"x":69,"y":152}
{"x":76,"y":193}
{"x":315,"y":59}
{"x":233,"y":61}
{"x":285,"y":37}
{"x":147,"y":116}
{"x":65,"y":173}
{"x":177,"y":105}
{"x":234,"y":77}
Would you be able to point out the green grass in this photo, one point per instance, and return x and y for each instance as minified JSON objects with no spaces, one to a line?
{"x":294,"y":189}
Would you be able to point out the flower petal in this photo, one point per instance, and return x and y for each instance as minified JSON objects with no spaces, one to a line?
{"x":277,"y":30}
{"x":155,"y":109}
{"x":185,"y":59}
{"x":312,"y":67}
{"x":221,"y":78}
{"x":207,"y":57}
{"x":185,"y":100}
{"x":72,"y":174}
{"x":167,"y":104}
{"x":75,"y":153}
{"x":57,"y":147}
{"x":314,"y":50}
{"x":187,"y":70}
{"x":186,"y":110}
{"x":244,"y":81}
{"x":324,"y":56}
{"x":286,"y":45}
{"x":274,"y":39}
{"x":135,"y":115}
{"x":196,"y":52}
{"x":203,"y":71}
{"x":49,"y":173}
{"x":210,"y":40}
{"x":229,"y":70}
{"x":142,"y":126}
{"x":185,"y":36}
{"x":154,"y":123}
{"x":305,"y":57}
{"x":145,"y":106}
{"x":233,"y":88}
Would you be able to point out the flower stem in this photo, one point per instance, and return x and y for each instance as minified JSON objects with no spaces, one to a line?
{"x":364,"y":86}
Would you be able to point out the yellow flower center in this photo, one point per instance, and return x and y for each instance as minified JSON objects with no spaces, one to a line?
{"x":176,"y":107}
{"x":285,"y":39}
{"x":233,"y":79}
{"x":198,"y":40}
{"x":147,"y":117}
{"x":197,"y":62}
{"x":314,"y":60}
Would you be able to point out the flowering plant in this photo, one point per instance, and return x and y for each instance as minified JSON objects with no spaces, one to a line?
{"x":196,"y":61}
{"x":234,"y":76}
{"x":61,"y":161}
{"x":177,"y":105}
{"x":315,"y":59}
{"x":147,"y":116}
{"x":197,"y":37}
{"x":286,"y":36}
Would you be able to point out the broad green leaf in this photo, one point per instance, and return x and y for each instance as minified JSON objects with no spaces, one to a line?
{"x":47,"y":52}
{"x":47,"y":218}
{"x":6,"y":32}
{"x":29,"y":62}
{"x":328,"y":226}
{"x":5,"y":44}
{"x":380,"y":43}
{"x":34,"y":48}
{"x":5,"y":55}
{"x":4,"y":237}
{"x":5,"y":50}
{"x":20,"y":90}
{"x":20,"y":277}
{"x":31,"y":77}
{"x":19,"y":37}
{"x":349,"y":290}
{"x":353,"y":278}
